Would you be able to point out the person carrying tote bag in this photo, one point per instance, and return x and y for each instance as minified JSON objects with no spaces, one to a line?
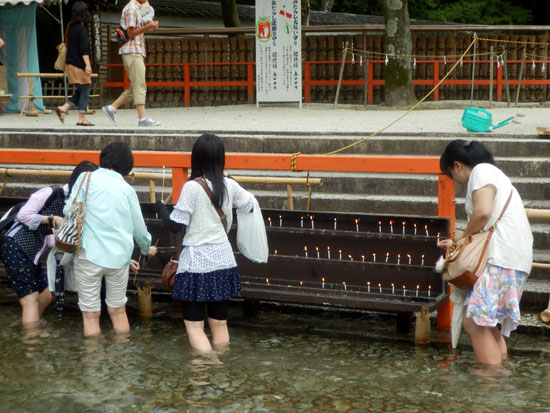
{"x":494,"y":299}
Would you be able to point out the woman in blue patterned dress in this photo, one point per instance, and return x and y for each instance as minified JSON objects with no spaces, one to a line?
{"x":207,"y":276}
{"x":494,"y":300}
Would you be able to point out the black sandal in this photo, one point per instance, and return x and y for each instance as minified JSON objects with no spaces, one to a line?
{"x":60,"y":114}
{"x":85,"y":122}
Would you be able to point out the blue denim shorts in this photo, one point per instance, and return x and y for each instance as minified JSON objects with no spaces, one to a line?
{"x":25,"y":277}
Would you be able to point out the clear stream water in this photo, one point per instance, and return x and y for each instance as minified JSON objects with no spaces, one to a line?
{"x":278,"y":362}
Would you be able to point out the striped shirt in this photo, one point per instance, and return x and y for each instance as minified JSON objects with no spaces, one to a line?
{"x":130,"y":18}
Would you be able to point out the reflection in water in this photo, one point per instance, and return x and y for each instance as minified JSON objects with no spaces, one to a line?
{"x":276,"y":362}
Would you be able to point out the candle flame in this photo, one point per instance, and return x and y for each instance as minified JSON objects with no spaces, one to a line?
{"x":301,"y":283}
{"x":275,"y":252}
{"x":408,"y":255}
{"x":387,"y":254}
{"x":280,"y":216}
{"x":340,"y":251}
{"x":349,"y":256}
{"x":311,"y":217}
{"x":417,"y":287}
{"x":334,"y":219}
{"x":429,"y":287}
{"x":305,"y":248}
{"x":422,"y":256}
{"x":267,"y":280}
{"x":379,"y":285}
{"x":269,"y":219}
{"x":414,"y":225}
{"x":426,"y":226}
{"x":317,"y":249}
{"x":323,"y":279}
{"x":374,"y":254}
{"x":362,"y":256}
{"x":404,"y":287}
{"x":368,"y":283}
{"x":343,"y":283}
{"x":379,"y":222}
{"x":392,"y":284}
{"x":398,"y":256}
{"x":404,"y":223}
{"x":356,"y":221}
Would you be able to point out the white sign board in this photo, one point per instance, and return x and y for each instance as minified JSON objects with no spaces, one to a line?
{"x":278,"y":51}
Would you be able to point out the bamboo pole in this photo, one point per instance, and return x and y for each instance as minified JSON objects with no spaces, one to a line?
{"x":491,"y":79}
{"x":152,"y":191}
{"x":505,"y":70}
{"x":341,"y":75}
{"x":537,"y":213}
{"x":520,"y":75}
{"x":541,"y":265}
{"x":289,"y":196}
{"x":473,"y":70}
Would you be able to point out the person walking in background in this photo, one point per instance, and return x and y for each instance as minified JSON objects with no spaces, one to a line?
{"x":77,"y":64}
{"x":207,"y":275}
{"x":497,"y":292}
{"x":133,"y":56}
{"x":28,"y":238}
{"x":113,"y":221}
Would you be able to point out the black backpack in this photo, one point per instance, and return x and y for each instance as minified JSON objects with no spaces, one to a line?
{"x":8,"y":219}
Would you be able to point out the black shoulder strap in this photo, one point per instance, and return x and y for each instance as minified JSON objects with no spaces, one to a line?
{"x":219,"y":210}
{"x":56,"y":190}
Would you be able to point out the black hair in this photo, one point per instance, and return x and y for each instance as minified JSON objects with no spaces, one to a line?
{"x":470,"y":153}
{"x":83,"y":166}
{"x":80,"y":13}
{"x":208,"y":160}
{"x":118,"y":157}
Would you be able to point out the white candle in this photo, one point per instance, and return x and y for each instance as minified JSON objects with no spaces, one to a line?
{"x":422,"y":263}
{"x":414,"y":229}
{"x":380,"y":287}
{"x":392,"y":288}
{"x":429,"y":290}
{"x":275,"y":252}
{"x":404,"y":291}
{"x":417,"y":287}
{"x":334,"y":224}
{"x":374,"y":257}
{"x":362,"y":258}
{"x":387,"y":256}
{"x":317,"y":250}
{"x":356,"y":225}
{"x":368,"y":286}
{"x":267,"y":280}
{"x":398,"y":259}
{"x":426,"y":228}
{"x":339,"y":254}
{"x":280,"y":220}
{"x":403,"y":227}
{"x":350,"y":257}
{"x":301,"y":222}
{"x":328,"y":252}
{"x":269,"y":220}
{"x":323,"y":282}
{"x":380,"y":227}
{"x":391,"y":227}
{"x":305,"y":250}
{"x":312,"y":223}
{"x":409,"y":257}
{"x":438,"y":234}
{"x":345,"y":286}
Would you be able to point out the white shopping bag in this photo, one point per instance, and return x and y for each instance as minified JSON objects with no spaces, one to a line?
{"x":251,"y":234}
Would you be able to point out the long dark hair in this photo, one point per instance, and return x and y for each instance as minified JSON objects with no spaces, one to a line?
{"x":80,"y":13}
{"x":470,"y":153}
{"x":83,"y":166}
{"x":208,"y":160}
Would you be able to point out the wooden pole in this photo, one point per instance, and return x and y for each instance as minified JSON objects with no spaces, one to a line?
{"x":366,"y":77}
{"x":341,"y":75}
{"x":473,"y":70}
{"x":289,"y":197}
{"x":491,"y":79}
{"x":520,"y":75}
{"x":152,"y":191}
{"x":505,"y":69}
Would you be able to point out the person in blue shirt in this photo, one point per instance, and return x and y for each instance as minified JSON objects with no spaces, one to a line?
{"x":113,"y":221}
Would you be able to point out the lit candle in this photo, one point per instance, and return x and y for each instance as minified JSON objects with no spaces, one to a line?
{"x":317,"y":251}
{"x":267,"y":280}
{"x":275,"y":252}
{"x":362,"y":258}
{"x":380,"y":227}
{"x":323,"y":282}
{"x":345,"y":286}
{"x":409,"y":257}
{"x":438,"y":234}
{"x":429,"y":290}
{"x":301,"y":222}
{"x":339,"y":254}
{"x":356,"y":225}
{"x":374,"y":257}
{"x":417,"y":287}
{"x":391,"y":226}
{"x":280,"y":220}
{"x":350,"y":257}
{"x":414,"y":228}
{"x":368,"y":286}
{"x":426,"y":228}
{"x":305,"y":250}
{"x":328,"y":253}
{"x":404,"y":227}
{"x":334,"y":224}
{"x":398,"y":259}
{"x":269,"y":220}
{"x":380,"y":287}
{"x":387,"y":256}
{"x":392,"y":288}
{"x":404,"y":291}
{"x":301,"y":283}
{"x":422,"y":263}
{"x":312,"y":223}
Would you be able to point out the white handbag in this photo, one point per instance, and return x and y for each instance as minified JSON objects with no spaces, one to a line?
{"x":251,"y":234}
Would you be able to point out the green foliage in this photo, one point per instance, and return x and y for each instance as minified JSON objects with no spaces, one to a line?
{"x":470,"y":11}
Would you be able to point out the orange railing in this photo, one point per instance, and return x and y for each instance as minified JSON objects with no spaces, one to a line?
{"x":180,"y":162}
{"x":308,"y":83}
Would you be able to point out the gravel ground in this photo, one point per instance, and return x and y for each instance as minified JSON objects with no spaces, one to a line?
{"x":428,"y":118}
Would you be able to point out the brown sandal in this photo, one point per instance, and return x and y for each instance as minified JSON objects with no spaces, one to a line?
{"x":85,"y":122}
{"x":60,"y":114}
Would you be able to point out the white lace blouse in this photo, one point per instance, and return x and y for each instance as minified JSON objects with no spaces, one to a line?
{"x":206,"y":246}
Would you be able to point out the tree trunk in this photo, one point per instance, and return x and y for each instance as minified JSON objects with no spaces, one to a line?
{"x":305,"y":12}
{"x":399,"y":90}
{"x":229,"y":13}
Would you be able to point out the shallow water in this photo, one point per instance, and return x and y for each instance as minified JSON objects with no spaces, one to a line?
{"x":277,"y":361}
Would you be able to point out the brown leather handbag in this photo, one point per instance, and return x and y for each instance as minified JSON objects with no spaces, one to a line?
{"x":170,"y":269}
{"x":466,"y":260}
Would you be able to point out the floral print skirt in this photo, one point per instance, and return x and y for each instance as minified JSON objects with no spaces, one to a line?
{"x":495,"y":298}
